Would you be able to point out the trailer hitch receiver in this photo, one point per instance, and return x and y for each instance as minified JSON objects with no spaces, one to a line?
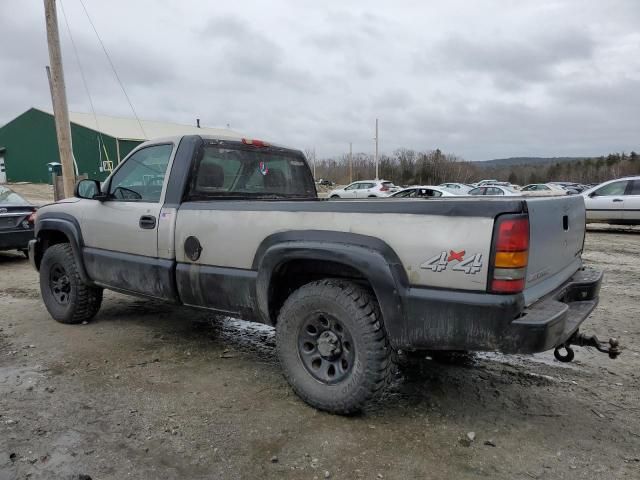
{"x":612,"y":347}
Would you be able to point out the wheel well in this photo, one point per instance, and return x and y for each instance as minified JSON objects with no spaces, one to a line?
{"x":290,"y":276}
{"x":48,"y":238}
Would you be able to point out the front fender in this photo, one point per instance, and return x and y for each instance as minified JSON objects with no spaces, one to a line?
{"x":67,"y":225}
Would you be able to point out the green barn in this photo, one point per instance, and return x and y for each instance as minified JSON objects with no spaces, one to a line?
{"x":28,"y":143}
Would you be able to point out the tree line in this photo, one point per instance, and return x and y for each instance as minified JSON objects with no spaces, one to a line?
{"x":410,"y":167}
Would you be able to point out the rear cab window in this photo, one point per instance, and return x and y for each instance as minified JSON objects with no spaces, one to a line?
{"x":232,"y":170}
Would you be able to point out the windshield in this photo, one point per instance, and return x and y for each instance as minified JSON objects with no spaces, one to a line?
{"x":9,"y":197}
{"x":249,"y":172}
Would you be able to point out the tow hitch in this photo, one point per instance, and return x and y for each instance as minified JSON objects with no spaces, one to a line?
{"x":612,"y":347}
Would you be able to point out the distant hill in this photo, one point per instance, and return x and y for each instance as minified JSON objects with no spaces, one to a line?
{"x":508,"y":162}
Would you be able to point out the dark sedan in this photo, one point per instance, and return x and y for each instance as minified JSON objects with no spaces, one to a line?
{"x":16,"y":221}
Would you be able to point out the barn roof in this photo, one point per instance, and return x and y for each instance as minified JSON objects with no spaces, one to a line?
{"x":127,"y":128}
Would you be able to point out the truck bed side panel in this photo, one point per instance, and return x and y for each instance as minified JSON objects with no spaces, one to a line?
{"x":231,"y":232}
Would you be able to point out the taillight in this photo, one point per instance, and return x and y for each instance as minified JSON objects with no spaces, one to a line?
{"x":384,"y":188}
{"x":511,"y":254}
{"x":255,"y":143}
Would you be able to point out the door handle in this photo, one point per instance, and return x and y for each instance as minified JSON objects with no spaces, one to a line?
{"x":148,"y":222}
{"x":617,"y":200}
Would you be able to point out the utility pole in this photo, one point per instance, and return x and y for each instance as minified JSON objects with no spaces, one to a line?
{"x":314,"y":163}
{"x":376,"y":139}
{"x":350,"y":162}
{"x":59,"y":98}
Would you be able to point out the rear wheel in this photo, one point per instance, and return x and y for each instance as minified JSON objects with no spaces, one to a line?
{"x":332,"y":345}
{"x":66,"y":297}
{"x":335,"y":196}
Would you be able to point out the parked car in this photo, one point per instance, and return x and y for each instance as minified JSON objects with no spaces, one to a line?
{"x":543,"y":189}
{"x":325,"y":182}
{"x":424,"y":191}
{"x":459,"y":188}
{"x":365,"y":189}
{"x":614,"y":202}
{"x":485,"y":182}
{"x":16,"y":221}
{"x":238,"y":234}
{"x":570,"y":187}
{"x":494,"y":190}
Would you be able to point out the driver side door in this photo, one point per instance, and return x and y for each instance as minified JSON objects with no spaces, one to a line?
{"x":607,"y":203}
{"x":120,"y":234}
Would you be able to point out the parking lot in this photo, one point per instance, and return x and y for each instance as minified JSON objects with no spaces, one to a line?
{"x":151,"y":391}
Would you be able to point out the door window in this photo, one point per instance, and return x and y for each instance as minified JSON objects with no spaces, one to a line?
{"x":141,"y":177}
{"x":494,"y":191}
{"x":353,"y":186}
{"x":634,"y":188}
{"x":366,"y":186}
{"x":477,"y":191}
{"x":615,"y":188}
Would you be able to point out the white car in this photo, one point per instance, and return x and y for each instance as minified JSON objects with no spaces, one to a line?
{"x":543,"y":189}
{"x":615,"y":202}
{"x":485,"y":182}
{"x":459,"y":188}
{"x":365,"y":189}
{"x":493,"y":190}
{"x":423,"y":191}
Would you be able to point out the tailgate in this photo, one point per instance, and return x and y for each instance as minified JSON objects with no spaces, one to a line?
{"x":556,"y":233}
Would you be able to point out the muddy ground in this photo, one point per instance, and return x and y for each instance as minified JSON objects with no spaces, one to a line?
{"x":149,"y":391}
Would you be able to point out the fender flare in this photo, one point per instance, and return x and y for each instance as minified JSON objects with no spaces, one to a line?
{"x":370,"y":256}
{"x":67,"y":225}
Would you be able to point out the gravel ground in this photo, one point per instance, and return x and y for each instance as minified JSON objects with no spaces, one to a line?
{"x":151,"y":391}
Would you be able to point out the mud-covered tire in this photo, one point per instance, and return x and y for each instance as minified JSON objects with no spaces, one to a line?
{"x":362,"y":337}
{"x":67,"y":298}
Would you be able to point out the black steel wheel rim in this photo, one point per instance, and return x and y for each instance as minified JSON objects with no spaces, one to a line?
{"x":59,"y":284}
{"x":326,"y":348}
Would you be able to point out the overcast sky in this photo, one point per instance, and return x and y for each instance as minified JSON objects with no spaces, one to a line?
{"x":481,"y":79}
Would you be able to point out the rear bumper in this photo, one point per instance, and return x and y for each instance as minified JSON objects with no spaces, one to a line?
{"x":15,"y":239}
{"x":454,"y":320}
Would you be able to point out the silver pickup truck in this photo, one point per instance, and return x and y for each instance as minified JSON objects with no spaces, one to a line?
{"x":235,"y":226}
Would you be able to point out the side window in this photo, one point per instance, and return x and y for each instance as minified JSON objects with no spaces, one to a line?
{"x":366,"y":186}
{"x":528,"y":188}
{"x":635,"y":188}
{"x":477,"y":191}
{"x":494,"y":191}
{"x":615,"y":188}
{"x":406,"y":193}
{"x":353,"y":186}
{"x":141,"y":177}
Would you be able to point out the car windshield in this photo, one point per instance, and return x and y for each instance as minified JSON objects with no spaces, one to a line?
{"x":241,"y":171}
{"x":9,"y":197}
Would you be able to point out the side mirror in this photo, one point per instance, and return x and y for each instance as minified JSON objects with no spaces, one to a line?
{"x":89,"y":189}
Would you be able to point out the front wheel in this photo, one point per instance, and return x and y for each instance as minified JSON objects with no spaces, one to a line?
{"x":66,"y":297}
{"x":332,"y":345}
{"x":335,"y":196}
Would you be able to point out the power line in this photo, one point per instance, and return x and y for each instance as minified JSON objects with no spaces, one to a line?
{"x":84,"y":79}
{"x":104,"y":49}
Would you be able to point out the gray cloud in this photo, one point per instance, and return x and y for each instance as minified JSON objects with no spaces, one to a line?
{"x":555,"y":77}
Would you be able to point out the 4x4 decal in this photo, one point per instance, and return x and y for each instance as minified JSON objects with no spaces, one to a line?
{"x":440,"y":262}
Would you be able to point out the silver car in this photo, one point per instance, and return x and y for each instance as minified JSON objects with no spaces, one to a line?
{"x":493,"y":190}
{"x":614,"y":202}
